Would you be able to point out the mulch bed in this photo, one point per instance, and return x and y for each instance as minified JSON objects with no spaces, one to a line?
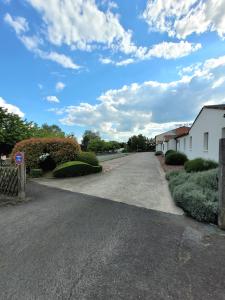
{"x":168,"y":168}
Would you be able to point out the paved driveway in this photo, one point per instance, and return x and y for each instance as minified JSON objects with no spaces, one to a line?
{"x":64,"y":245}
{"x":135,"y":179}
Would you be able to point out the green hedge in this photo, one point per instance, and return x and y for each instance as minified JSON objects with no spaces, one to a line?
{"x":157,"y":153}
{"x":175,"y":158}
{"x":196,"y":193}
{"x":88,"y":157}
{"x":169,"y":152}
{"x":60,"y":150}
{"x":75,"y":168}
{"x":200,"y":164}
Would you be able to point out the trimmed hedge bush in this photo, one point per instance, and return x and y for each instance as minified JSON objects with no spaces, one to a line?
{"x":60,"y":149}
{"x":88,"y":157}
{"x":176,"y":158}
{"x":196,"y":193}
{"x":34,"y":173}
{"x":157,"y":153}
{"x":200,"y":164}
{"x":75,"y":168}
{"x":169,"y":152}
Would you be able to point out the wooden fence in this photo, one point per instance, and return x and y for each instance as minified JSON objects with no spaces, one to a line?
{"x":9,"y":181}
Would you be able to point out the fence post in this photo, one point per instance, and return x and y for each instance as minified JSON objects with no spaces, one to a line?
{"x":221,"y":218}
{"x":22,"y":180}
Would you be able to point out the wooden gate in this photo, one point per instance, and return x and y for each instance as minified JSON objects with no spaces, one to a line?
{"x":9,"y":181}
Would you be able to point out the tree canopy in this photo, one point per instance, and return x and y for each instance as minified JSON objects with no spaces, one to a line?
{"x":14,"y":129}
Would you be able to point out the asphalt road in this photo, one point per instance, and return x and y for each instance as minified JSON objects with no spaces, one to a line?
{"x":135,"y":179}
{"x":64,"y":245}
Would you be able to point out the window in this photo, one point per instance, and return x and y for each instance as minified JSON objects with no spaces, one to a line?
{"x":184,"y":144}
{"x":178,"y":145}
{"x":190,"y":143}
{"x":206,"y":141}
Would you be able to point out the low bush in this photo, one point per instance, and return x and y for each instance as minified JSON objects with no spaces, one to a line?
{"x":169,"y":152}
{"x":196,"y":193}
{"x":157,"y":153}
{"x":176,"y":158}
{"x":199,"y":164}
{"x":75,"y":168}
{"x":88,"y":157}
{"x":60,"y":149}
{"x":34,"y":173}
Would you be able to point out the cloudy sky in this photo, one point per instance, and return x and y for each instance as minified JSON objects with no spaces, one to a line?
{"x":121,"y":67}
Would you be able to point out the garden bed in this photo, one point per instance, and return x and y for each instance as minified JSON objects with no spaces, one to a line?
{"x":168,"y":168}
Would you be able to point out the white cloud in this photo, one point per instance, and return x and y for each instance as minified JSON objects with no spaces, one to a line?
{"x":181,"y":18}
{"x":19,"y":24}
{"x":60,"y":86}
{"x":151,"y":107}
{"x":11,"y":108}
{"x":166,"y":50}
{"x":52,"y":99}
{"x":33,"y":43}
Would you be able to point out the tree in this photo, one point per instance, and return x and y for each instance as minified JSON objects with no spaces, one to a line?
{"x":13,"y":129}
{"x":96,"y":145}
{"x":48,"y":131}
{"x":87,"y":137}
{"x":138,"y":143}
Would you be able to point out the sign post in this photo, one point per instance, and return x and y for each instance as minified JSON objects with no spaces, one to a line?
{"x":221,"y":219}
{"x":19,"y":160}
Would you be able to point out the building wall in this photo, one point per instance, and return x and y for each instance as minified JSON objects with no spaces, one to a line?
{"x":210,"y":121}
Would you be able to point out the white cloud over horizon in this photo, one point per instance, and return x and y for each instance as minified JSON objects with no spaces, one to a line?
{"x":181,"y":18}
{"x":11,"y":108}
{"x":151,"y":107}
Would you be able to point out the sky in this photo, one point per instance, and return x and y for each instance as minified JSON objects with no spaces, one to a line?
{"x":119,"y":67}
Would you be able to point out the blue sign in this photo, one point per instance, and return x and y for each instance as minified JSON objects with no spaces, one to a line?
{"x":19,"y":158}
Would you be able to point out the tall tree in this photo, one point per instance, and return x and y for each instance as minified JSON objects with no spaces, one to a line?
{"x":87,"y":137}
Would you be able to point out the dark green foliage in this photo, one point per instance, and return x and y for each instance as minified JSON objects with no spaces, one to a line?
{"x":138,"y":143}
{"x":36,"y":173}
{"x":176,"y":158}
{"x":88,"y":157}
{"x":169,"y":152}
{"x":88,"y":136}
{"x":157,"y":153}
{"x":196,"y":193}
{"x":199,"y":164}
{"x":46,"y":163}
{"x":75,"y":168}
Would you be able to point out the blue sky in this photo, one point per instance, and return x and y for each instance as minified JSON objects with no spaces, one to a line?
{"x":119,"y":67}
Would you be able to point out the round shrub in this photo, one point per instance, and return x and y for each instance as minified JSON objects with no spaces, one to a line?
{"x":75,"y":168}
{"x":157,"y":153}
{"x":200,"y":164}
{"x":60,"y":149}
{"x":169,"y":152}
{"x":88,"y":157}
{"x":176,"y":158}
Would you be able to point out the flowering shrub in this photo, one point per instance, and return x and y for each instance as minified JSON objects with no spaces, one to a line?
{"x":46,"y":162}
{"x":38,"y":149}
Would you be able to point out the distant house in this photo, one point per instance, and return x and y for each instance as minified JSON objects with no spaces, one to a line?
{"x":202,"y":139}
{"x":167,"y":140}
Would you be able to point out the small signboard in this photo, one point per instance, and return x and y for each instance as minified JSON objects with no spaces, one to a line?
{"x":19,"y":159}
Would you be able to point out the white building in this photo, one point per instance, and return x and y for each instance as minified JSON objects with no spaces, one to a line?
{"x":204,"y":135}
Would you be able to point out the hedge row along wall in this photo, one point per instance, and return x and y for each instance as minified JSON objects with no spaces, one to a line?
{"x":60,"y":149}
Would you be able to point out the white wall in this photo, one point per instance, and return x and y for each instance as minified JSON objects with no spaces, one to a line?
{"x":211,"y":121}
